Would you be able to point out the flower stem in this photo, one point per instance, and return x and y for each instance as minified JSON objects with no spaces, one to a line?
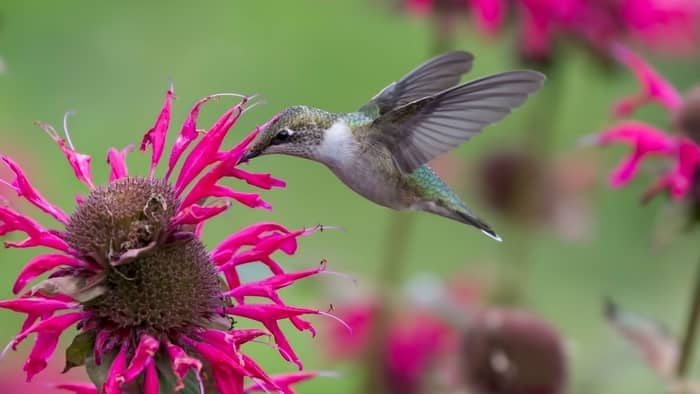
{"x":690,"y":330}
{"x":397,"y":237}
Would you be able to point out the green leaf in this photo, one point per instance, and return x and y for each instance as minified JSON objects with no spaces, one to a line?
{"x":79,"y":350}
{"x":98,"y":373}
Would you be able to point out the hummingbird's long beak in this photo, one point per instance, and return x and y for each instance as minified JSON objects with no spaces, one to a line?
{"x":249,"y":155}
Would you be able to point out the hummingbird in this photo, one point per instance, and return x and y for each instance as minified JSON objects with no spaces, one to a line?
{"x":381,"y":150}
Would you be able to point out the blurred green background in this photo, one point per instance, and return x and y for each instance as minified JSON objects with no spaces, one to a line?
{"x":111,"y":62}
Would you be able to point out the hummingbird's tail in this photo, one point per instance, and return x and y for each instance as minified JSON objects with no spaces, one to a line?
{"x":468,"y":218}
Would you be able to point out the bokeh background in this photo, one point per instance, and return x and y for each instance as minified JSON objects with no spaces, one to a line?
{"x":111,"y":62}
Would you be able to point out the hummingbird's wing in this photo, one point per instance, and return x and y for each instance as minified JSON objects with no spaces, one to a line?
{"x":431,"y":77}
{"x":420,"y":130}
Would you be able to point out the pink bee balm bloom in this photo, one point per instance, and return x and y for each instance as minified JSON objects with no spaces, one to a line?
{"x":647,"y":140}
{"x":154,"y":309}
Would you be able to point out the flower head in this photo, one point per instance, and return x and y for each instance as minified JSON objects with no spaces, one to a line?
{"x":512,"y":351}
{"x":154,"y":308}
{"x":681,"y":148}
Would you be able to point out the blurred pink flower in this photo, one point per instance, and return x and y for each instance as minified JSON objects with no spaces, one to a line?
{"x":414,"y":340}
{"x":130,"y":272}
{"x":663,"y":25}
{"x":647,"y":140}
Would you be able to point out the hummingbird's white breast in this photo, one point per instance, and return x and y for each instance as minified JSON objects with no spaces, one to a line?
{"x":338,"y":146}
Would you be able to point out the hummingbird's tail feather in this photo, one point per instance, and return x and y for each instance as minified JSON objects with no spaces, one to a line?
{"x":468,"y":218}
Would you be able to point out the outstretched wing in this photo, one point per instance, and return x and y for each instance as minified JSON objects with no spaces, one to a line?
{"x":420,"y":130}
{"x":431,"y":77}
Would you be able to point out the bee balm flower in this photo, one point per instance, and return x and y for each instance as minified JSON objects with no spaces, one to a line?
{"x":153,"y":307}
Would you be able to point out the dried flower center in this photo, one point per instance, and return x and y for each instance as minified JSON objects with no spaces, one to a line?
{"x":172,"y":287}
{"x":127,"y":214}
{"x":167,"y":283}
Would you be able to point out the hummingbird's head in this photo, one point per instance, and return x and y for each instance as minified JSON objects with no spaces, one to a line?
{"x":298,"y":131}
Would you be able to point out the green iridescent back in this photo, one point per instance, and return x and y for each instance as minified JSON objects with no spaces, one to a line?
{"x":431,"y":186}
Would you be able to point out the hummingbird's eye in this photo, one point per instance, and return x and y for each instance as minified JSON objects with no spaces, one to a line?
{"x":281,"y":137}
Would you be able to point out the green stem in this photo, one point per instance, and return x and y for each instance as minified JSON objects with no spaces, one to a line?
{"x":397,"y":235}
{"x":690,"y":333}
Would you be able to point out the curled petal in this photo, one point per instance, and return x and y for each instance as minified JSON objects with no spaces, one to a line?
{"x":25,"y":189}
{"x":654,"y":86}
{"x":112,"y":384}
{"x":157,"y":134}
{"x":117,"y":162}
{"x":147,"y":347}
{"x":182,"y":363}
{"x":43,"y":349}
{"x":78,"y":161}
{"x":38,"y":236}
{"x":42,"y":264}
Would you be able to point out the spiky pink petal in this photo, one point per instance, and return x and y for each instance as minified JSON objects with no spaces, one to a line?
{"x":269,"y":315}
{"x":112,"y":384}
{"x":42,"y":264}
{"x":263,"y":181}
{"x":268,"y":287}
{"x":117,"y":162}
{"x":195,"y":214}
{"x":206,"y":151}
{"x":78,"y":161}
{"x":36,"y":305}
{"x":52,"y":324}
{"x":147,"y":347}
{"x":644,"y":139}
{"x":261,"y":251}
{"x":283,"y":382}
{"x":156,"y":135}
{"x":182,"y":363}
{"x":247,"y":236}
{"x":654,"y":86}
{"x":233,"y":338}
{"x":11,"y":221}
{"x":150,"y":380}
{"x":188,"y":133}
{"x":228,"y":372}
{"x":77,"y":388}
{"x":25,"y":189}
{"x":48,"y":332}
